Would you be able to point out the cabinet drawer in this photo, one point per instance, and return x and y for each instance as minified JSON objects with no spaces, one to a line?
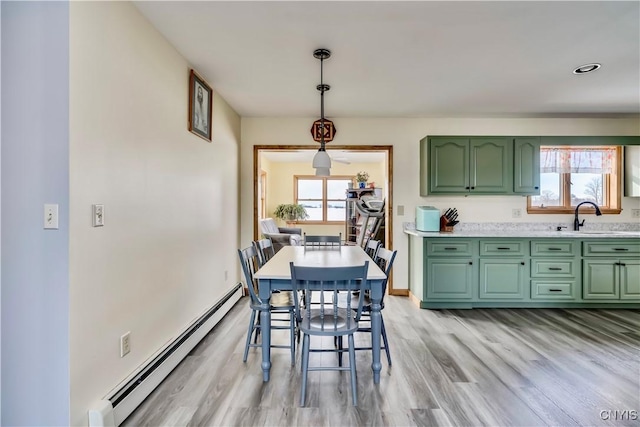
{"x":547,"y":248}
{"x":611,"y":248}
{"x":553,"y":267}
{"x":450,"y":248}
{"x":498,"y":247}
{"x":546,"y":289}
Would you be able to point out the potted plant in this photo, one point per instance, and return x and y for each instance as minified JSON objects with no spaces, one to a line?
{"x":362,"y":177}
{"x":290,"y":212}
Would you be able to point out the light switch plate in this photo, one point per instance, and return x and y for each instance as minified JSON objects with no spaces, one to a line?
{"x":98,"y":215}
{"x":51,"y":216}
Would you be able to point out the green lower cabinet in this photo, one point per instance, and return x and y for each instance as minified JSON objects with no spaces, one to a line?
{"x":630,"y":280}
{"x":611,"y":279}
{"x":502,"y":278}
{"x":450,"y":278}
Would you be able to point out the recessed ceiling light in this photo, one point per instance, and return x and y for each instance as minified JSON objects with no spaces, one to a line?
{"x":586,"y":68}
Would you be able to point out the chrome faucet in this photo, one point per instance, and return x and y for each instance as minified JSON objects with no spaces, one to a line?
{"x":576,"y":223}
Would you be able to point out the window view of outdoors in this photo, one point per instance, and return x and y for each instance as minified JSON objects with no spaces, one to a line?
{"x":580,"y":170}
{"x":311,"y":195}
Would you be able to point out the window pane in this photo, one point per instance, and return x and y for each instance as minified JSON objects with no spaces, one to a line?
{"x":336,"y":188}
{"x":309,"y":189}
{"x":587,"y":187}
{"x":550,"y":191}
{"x":335,"y":210}
{"x":314,"y":209}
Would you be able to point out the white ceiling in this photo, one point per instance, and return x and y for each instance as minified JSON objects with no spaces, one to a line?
{"x":411,"y":59}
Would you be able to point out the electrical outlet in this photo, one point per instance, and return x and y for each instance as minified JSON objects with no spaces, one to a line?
{"x":125,"y":344}
{"x":400,"y":210}
{"x":635,"y":213}
{"x":516,"y":213}
{"x":98,"y":215}
{"x":51,"y":216}
{"x":226,"y":275}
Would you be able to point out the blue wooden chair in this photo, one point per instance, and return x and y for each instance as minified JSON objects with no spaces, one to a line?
{"x":371,"y":248}
{"x":281,"y":303}
{"x":322,"y":242}
{"x":384,"y":259}
{"x":265,"y":250}
{"x":328,"y":319}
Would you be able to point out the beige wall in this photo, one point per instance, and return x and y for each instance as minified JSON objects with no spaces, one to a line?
{"x":171,"y":198}
{"x":404,"y":135}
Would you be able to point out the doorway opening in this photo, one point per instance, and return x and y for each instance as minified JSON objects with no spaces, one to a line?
{"x":278,"y":171}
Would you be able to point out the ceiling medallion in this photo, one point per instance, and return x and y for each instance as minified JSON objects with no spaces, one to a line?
{"x":317,"y":130}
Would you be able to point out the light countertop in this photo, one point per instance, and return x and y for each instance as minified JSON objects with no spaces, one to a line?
{"x":524,"y":232}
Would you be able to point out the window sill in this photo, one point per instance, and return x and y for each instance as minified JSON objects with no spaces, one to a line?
{"x":561,"y":210}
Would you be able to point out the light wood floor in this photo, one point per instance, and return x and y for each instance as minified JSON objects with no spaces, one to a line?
{"x":492,"y":367}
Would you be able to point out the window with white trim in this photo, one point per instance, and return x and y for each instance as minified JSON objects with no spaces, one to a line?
{"x":324,"y":198}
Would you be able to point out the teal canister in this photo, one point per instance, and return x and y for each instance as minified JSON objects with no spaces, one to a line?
{"x":427,"y":218}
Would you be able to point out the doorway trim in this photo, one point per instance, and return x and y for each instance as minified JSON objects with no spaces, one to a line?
{"x":388,"y":206}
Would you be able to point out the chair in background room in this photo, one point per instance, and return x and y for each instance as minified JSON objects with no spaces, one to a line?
{"x":322,"y":242}
{"x":280,"y":236}
{"x":384,"y":259}
{"x":372,"y":248}
{"x":329,"y":319}
{"x":265,"y":250}
{"x":281,"y":303}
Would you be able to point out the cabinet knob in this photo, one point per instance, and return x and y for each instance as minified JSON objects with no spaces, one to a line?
{"x":521,"y":262}
{"x":473,"y":188}
{"x":470,"y":262}
{"x":536,"y":188}
{"x":466,"y":188}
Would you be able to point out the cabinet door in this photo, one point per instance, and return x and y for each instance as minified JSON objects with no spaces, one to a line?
{"x":448,"y":165}
{"x":526,"y":164}
{"x":600,"y":279}
{"x":491,"y":165}
{"x":502,"y":278}
{"x":630,"y":279}
{"x":450,"y":278}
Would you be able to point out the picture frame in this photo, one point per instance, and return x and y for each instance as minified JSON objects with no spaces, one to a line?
{"x":200,"y":106}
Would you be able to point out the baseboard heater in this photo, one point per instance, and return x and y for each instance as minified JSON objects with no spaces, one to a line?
{"x":121,"y":403}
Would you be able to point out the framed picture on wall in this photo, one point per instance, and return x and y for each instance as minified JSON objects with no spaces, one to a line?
{"x":200,"y":106}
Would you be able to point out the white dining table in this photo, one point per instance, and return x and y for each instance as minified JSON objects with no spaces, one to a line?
{"x":276,"y":275}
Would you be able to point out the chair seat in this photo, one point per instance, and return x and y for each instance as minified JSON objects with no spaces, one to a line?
{"x":282,"y":300}
{"x":339,"y":324}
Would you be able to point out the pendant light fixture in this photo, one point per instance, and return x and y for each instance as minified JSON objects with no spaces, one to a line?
{"x":322,"y":161}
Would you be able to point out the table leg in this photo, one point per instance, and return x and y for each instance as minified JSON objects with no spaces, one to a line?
{"x":265,"y":325}
{"x":376,"y":333}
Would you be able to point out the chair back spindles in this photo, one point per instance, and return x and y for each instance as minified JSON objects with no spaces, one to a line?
{"x":265,"y":250}
{"x":372,"y":248}
{"x":322,"y":242}
{"x":250,"y":263}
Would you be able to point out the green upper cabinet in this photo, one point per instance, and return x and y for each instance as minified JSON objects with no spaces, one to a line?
{"x":526,"y":165}
{"x":468,"y":165}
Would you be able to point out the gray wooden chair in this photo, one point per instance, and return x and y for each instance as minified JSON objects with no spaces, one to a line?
{"x":281,"y":303}
{"x":372,"y":248}
{"x":265,"y":250}
{"x":322,"y":242}
{"x":329,"y":319}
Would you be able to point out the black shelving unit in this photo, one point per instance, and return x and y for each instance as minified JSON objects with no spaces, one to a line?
{"x":353,"y":217}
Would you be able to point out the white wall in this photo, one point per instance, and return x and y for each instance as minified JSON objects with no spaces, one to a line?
{"x":405,"y":135}
{"x":35,"y":272}
{"x":171,"y":198}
